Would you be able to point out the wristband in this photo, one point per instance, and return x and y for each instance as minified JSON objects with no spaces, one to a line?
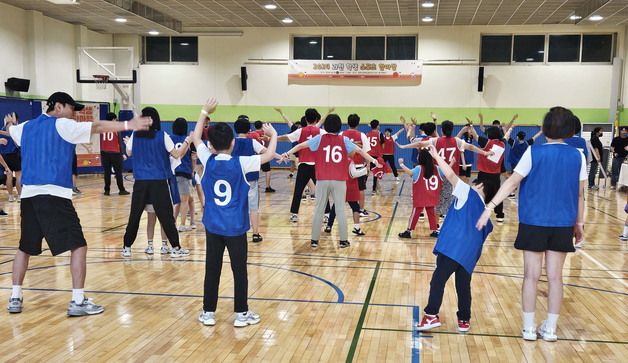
{"x":126,"y":125}
{"x":580,"y":224}
{"x":204,"y":112}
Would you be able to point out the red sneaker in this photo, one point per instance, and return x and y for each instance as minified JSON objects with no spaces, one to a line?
{"x":463,"y":326}
{"x":428,"y":322}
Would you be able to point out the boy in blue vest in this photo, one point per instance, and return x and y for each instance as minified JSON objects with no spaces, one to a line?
{"x":226,"y":214}
{"x":459,"y":246}
{"x":48,"y":143}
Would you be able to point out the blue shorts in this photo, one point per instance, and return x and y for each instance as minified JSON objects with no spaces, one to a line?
{"x":174,"y":190}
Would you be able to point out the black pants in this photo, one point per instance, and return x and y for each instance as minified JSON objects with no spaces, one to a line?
{"x":305,"y":172}
{"x":390,"y":159}
{"x":592,"y":172}
{"x":496,"y":178}
{"x":157,"y":193}
{"x":237,"y":248}
{"x":445,"y":266}
{"x":108,"y":160}
{"x":355,"y":208}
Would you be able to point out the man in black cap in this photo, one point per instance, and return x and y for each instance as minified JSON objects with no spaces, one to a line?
{"x":48,"y":143}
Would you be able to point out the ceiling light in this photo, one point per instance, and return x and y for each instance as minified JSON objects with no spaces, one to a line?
{"x":64,"y":2}
{"x":330,"y":56}
{"x":313,"y":42}
{"x":287,"y":21}
{"x":428,"y":4}
{"x":427,"y":19}
{"x":270,"y":6}
{"x":575,"y":17}
{"x":184,"y":44}
{"x":529,"y":59}
{"x":596,"y":17}
{"x":121,"y":20}
{"x":153,"y":32}
{"x":541,"y":51}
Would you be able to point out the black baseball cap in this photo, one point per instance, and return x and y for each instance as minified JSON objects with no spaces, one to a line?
{"x":243,"y":117}
{"x":63,"y":98}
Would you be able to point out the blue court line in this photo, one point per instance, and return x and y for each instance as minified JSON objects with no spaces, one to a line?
{"x":416,"y":345}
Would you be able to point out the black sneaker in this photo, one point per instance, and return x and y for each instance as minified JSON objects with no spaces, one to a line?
{"x":344,"y":244}
{"x":3,"y":213}
{"x":290,"y":175}
{"x":106,"y":192}
{"x":123,"y":192}
{"x":405,"y":234}
{"x":257,"y":238}
{"x":314,"y":244}
{"x":434,"y":234}
{"x":270,"y":190}
{"x":358,"y":232}
{"x":327,"y":229}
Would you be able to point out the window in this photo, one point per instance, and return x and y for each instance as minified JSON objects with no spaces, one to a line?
{"x":158,"y":49}
{"x":496,"y":48}
{"x":337,"y":48}
{"x":307,"y":47}
{"x":564,"y":48}
{"x":370,"y":48}
{"x":401,"y":48}
{"x":171,"y":49}
{"x":597,"y":47}
{"x":528,"y":48}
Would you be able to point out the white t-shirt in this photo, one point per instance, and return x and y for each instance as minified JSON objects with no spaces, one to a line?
{"x":168,"y":143}
{"x":461,"y":192}
{"x":249,"y":164}
{"x":525,"y":164}
{"x":296,"y":135}
{"x":70,"y":131}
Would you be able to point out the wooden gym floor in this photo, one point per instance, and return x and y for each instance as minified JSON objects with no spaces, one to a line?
{"x":328,"y":305}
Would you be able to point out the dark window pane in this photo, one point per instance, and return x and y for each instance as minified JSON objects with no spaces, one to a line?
{"x":184,"y":49}
{"x":307,"y":47}
{"x":528,"y":48}
{"x":370,"y":48}
{"x":597,"y":47}
{"x":158,"y":49}
{"x":496,"y":48}
{"x":564,"y":48}
{"x":401,"y":48}
{"x":337,"y":48}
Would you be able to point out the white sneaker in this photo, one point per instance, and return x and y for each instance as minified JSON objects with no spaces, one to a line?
{"x":549,"y":335}
{"x":149,"y":249}
{"x":397,"y":179}
{"x":579,"y":244}
{"x":179,"y":252}
{"x":363,"y":213}
{"x":183,"y":228}
{"x":164,"y":249}
{"x":294,"y":218}
{"x":529,"y":334}
{"x":192,"y":226}
{"x":126,"y":251}
{"x":207,"y":318}
{"x":244,"y":319}
{"x":325,"y":219}
{"x":11,"y":198}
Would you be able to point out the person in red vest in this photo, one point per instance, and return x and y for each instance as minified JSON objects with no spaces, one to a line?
{"x":388,"y":150}
{"x":376,"y":139}
{"x":111,"y":154}
{"x":331,"y":152}
{"x":487,"y":168}
{"x":360,"y":139}
{"x":427,"y":180}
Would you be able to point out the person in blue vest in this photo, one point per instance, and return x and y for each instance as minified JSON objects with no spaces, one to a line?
{"x":150,"y":151}
{"x":517,"y":147}
{"x":47,"y":144}
{"x":11,"y":155}
{"x":459,"y":245}
{"x":551,"y":212}
{"x":226,"y":215}
{"x":183,"y":173}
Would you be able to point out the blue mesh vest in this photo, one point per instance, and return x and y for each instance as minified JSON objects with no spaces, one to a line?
{"x":244,"y":147}
{"x":186,"y":159}
{"x":150,"y":159}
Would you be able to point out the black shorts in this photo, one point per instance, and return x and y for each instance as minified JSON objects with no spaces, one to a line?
{"x":74,"y":166}
{"x":266,"y":167}
{"x":14,"y":161}
{"x":466,"y":173}
{"x":540,"y":239}
{"x":362,"y":182}
{"x":52,"y":218}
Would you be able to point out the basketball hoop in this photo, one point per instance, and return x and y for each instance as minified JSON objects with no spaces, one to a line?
{"x":101,"y":81}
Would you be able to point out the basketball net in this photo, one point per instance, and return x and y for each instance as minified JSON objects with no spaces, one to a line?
{"x":101,"y":81}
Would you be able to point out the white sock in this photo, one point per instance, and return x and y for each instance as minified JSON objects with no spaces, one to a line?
{"x":164,"y":243}
{"x":150,"y":242}
{"x":528,"y":320}
{"x":625,"y":230}
{"x":551,"y":321}
{"x":78,"y":295}
{"x":356,"y":226}
{"x":16,"y":292}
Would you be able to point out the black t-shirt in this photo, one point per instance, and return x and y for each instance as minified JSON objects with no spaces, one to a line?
{"x":619,"y":144}
{"x":597,"y":145}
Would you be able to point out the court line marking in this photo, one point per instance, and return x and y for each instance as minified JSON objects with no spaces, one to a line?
{"x":365,"y":306}
{"x":600,"y":265}
{"x":416,"y":344}
{"x":496,"y":335}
